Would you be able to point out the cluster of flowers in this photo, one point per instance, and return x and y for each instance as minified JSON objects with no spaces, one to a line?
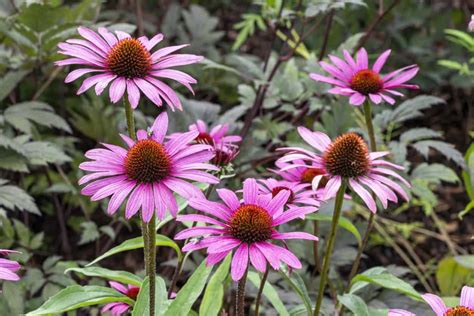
{"x":146,"y":173}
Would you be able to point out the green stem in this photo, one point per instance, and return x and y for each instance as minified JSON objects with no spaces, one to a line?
{"x":370,"y":126}
{"x":330,"y":245}
{"x":260,"y":290}
{"x":152,"y":261}
{"x":240,"y":299}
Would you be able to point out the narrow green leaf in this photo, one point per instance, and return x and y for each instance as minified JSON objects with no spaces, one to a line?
{"x":354,"y":303}
{"x":389,"y":281}
{"x":213,"y":295}
{"x":270,"y":293}
{"x":190,"y":292}
{"x":343,"y":222}
{"x":76,"y":296}
{"x":297,"y":284}
{"x":119,"y":276}
{"x":141,"y":306}
{"x":136,"y":243}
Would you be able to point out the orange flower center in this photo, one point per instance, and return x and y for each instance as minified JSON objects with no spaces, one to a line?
{"x":366,"y":81}
{"x":133,"y":292}
{"x":308,"y":175}
{"x":459,"y":311}
{"x":129,"y":58}
{"x":251,"y":223}
{"x":147,"y":162}
{"x":277,"y":190}
{"x":204,"y":138}
{"x":347,"y":156}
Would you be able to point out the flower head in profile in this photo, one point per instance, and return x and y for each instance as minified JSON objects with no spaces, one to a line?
{"x":471,"y":24}
{"x":300,"y":193}
{"x":127,"y":64}
{"x":148,"y":171}
{"x":465,"y":307}
{"x":354,"y":78}
{"x":348,"y":158}
{"x":120,"y":308}
{"x":245,"y":228}
{"x":8,"y":268}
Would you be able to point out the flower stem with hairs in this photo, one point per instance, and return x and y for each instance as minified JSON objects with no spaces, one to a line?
{"x":330,"y":245}
{"x":370,"y":224}
{"x":148,"y":230}
{"x":240,"y":298}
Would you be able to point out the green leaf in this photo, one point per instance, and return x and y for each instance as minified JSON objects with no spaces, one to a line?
{"x":13,"y":197}
{"x":466,"y":261}
{"x":297,"y":284}
{"x":42,"y":153}
{"x":354,"y":303}
{"x":76,"y":296}
{"x":389,"y":281}
{"x":190,"y":292}
{"x":119,"y":276}
{"x":343,"y":222}
{"x":136,"y":243}
{"x":446,"y":149}
{"x":90,"y":232}
{"x":415,"y":134}
{"x":142,"y":305}
{"x":434,"y":173}
{"x":213,"y":295}
{"x":451,"y":276}
{"x":270,"y":293}
{"x":22,"y":114}
{"x":10,"y":81}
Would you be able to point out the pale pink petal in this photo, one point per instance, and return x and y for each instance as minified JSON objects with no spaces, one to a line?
{"x":223,"y":244}
{"x":293,"y":235}
{"x":332,"y":187}
{"x":149,"y":90}
{"x":117,"y":89}
{"x":357,"y":99}
{"x":364,"y":195}
{"x":257,"y":258}
{"x":154,"y":41}
{"x":362,"y":59}
{"x":75,"y":74}
{"x":436,"y":303}
{"x":376,"y":98}
{"x":269,"y":253}
{"x":239,"y":262}
{"x":199,"y":218}
{"x":400,"y":312}
{"x":165,"y":51}
{"x":160,"y":127}
{"x":467,"y":297}
{"x":329,"y":80}
{"x":133,"y":203}
{"x":381,"y":61}
{"x":133,"y":93}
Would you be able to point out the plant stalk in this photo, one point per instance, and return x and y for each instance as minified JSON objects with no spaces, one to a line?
{"x":330,"y":245}
{"x":370,"y":224}
{"x":260,"y":290}
{"x":240,"y":299}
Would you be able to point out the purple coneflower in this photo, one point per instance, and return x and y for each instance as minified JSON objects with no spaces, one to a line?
{"x":248,"y":227}
{"x":347,"y":157}
{"x":120,"y":308}
{"x":148,"y":171}
{"x":128,"y":64}
{"x":300,"y":193}
{"x":465,"y":307}
{"x":353,"y":78}
{"x":8,"y":267}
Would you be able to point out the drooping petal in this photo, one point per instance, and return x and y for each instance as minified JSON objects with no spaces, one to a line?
{"x":436,"y":303}
{"x":239,"y":262}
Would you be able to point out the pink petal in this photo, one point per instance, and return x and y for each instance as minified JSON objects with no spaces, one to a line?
{"x":117,"y":89}
{"x":133,"y":93}
{"x":357,"y":99}
{"x":436,"y":303}
{"x":364,"y":195}
{"x":362,"y":59}
{"x":240,"y":262}
{"x":381,"y":61}
{"x":229,"y":198}
{"x":250,"y":191}
{"x":467,"y":297}
{"x":160,"y":127}
{"x":293,"y":235}
{"x":257,"y":258}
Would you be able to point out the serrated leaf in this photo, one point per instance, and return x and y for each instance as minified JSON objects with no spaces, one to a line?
{"x":13,"y":197}
{"x":434,"y":173}
{"x":22,"y":114}
{"x":416,"y":134}
{"x":444,"y":148}
{"x":90,"y":232}
{"x":10,"y":81}
{"x":42,"y":153}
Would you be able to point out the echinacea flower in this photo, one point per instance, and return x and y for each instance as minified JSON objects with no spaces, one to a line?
{"x":148,"y":171}
{"x":128,"y":64}
{"x":354,"y":78}
{"x":471,"y":24}
{"x":300,"y":193}
{"x":120,"y":308}
{"x":248,"y":227}
{"x":8,"y":267}
{"x":465,"y":307}
{"x":348,"y":158}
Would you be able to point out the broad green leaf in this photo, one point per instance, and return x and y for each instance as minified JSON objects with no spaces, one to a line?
{"x":389,"y":281}
{"x":354,"y":303}
{"x":451,"y":276}
{"x":343,"y":222}
{"x":13,"y":197}
{"x":370,"y":272}
{"x":22,"y":114}
{"x":136,"y":243}
{"x":141,"y":306}
{"x":466,"y":261}
{"x":119,"y":276}
{"x":190,"y":292}
{"x":297,"y":284}
{"x":270,"y":293}
{"x":76,"y":296}
{"x":213,"y":295}
{"x":10,"y":81}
